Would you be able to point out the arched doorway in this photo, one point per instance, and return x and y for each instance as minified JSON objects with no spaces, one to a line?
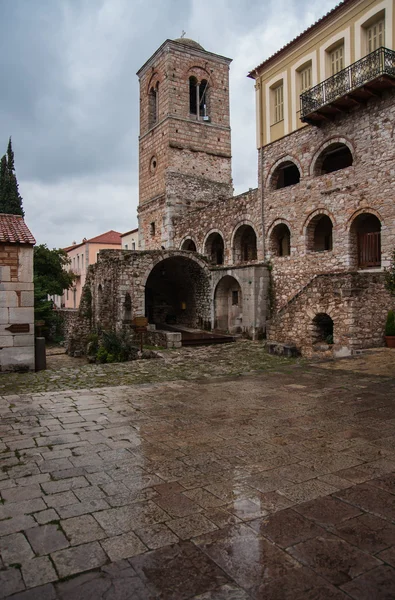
{"x":365,"y":241}
{"x":228,"y":305}
{"x":214,"y":248}
{"x":280,"y":240}
{"x":244,"y":244}
{"x":177,"y":292}
{"x":323,"y":329}
{"x":319,"y":234}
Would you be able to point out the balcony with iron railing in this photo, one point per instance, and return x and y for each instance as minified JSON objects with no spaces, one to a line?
{"x":351,"y":86}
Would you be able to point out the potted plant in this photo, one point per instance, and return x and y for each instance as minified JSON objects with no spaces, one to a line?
{"x":390,"y":329}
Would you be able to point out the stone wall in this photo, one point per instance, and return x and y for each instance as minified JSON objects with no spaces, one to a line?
{"x":174,"y":287}
{"x":365,"y":187}
{"x":247,"y":316}
{"x":224,"y":216}
{"x":356,"y":302}
{"x":68,"y":319}
{"x":16,"y":308}
{"x":182,"y":159}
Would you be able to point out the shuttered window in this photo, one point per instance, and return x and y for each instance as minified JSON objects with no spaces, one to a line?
{"x":278,"y":103}
{"x":375,"y":36}
{"x":305,"y":79}
{"x":337,"y":60}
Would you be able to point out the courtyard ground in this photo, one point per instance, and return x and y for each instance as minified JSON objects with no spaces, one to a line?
{"x":213,"y":473}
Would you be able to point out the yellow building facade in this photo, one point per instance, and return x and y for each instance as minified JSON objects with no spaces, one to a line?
{"x":351,"y":31}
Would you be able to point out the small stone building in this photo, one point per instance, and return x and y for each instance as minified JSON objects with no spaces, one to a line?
{"x":16,"y":295}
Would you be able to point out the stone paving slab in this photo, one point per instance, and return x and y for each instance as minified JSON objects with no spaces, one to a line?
{"x":212,"y":490}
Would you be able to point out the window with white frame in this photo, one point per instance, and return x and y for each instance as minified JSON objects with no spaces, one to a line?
{"x":375,"y":36}
{"x":336,"y":58}
{"x":278,"y":104}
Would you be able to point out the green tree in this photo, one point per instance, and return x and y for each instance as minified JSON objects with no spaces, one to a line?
{"x":10,"y":198}
{"x":50,"y":278}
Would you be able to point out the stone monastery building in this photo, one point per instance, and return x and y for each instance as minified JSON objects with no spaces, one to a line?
{"x":299,"y":259}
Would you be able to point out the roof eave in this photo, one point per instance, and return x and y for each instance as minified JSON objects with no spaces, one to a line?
{"x":254,"y":73}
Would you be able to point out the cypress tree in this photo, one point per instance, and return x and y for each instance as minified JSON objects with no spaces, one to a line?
{"x":3,"y":174}
{"x":10,"y":198}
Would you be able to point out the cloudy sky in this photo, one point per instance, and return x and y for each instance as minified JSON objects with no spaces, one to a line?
{"x":69,"y":96}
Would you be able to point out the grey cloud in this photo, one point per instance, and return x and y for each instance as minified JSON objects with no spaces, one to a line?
{"x":71,"y":96}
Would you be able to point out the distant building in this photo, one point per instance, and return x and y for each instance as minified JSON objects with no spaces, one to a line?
{"x":82,"y":255}
{"x":130,"y":240}
{"x":16,"y":295}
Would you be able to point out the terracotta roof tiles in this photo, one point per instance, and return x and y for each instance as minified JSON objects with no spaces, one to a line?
{"x":13,"y":230}
{"x":110,"y":237}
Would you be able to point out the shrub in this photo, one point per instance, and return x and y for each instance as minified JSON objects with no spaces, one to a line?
{"x":93,"y":344}
{"x":390,"y":324}
{"x":116,"y":347}
{"x":101,"y":355}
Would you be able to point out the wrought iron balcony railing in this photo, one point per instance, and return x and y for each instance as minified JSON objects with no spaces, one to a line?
{"x":379,"y":63}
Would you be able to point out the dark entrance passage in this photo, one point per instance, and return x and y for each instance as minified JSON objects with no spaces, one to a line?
{"x":177,"y":292}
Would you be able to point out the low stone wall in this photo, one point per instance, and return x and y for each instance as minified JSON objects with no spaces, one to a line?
{"x":68,"y":318}
{"x":356,"y":302}
{"x":165,"y":339}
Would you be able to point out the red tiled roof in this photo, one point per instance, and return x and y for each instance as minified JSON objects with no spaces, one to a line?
{"x":110,"y":237}
{"x":338,"y":8}
{"x":13,"y":230}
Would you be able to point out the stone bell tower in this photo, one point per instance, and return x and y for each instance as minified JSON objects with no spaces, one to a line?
{"x":185,"y":141}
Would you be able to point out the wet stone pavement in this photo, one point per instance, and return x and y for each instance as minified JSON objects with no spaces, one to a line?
{"x":274,"y":486}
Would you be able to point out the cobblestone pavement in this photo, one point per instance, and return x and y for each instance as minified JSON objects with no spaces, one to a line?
{"x":65,"y":373}
{"x":278,"y":486}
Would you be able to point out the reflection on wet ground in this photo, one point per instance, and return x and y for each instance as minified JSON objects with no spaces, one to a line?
{"x":275,"y":486}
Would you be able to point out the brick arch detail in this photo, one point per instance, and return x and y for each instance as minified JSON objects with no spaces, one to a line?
{"x":192,"y":72}
{"x":186,"y":238}
{"x":155,"y":78}
{"x":311,"y":312}
{"x":328,"y":142}
{"x":237,"y":227}
{"x":207,"y":236}
{"x":279,"y":221}
{"x":316,"y":213}
{"x":364,"y":211}
{"x":279,"y":161}
{"x":173,"y":254}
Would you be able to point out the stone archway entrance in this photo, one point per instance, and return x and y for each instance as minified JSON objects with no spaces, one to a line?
{"x":177,"y":292}
{"x":228,"y":305}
